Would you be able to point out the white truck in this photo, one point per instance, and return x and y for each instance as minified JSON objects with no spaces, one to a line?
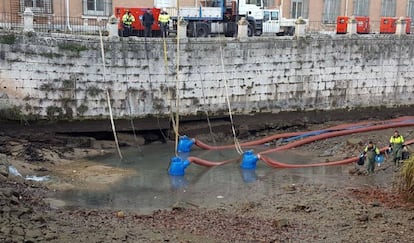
{"x":274,"y":23}
{"x":210,"y":17}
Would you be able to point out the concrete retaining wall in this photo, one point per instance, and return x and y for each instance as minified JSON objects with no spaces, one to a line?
{"x":61,"y":77}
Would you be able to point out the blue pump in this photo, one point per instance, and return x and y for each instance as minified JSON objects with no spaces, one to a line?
{"x":184,"y":144}
{"x":178,"y":166}
{"x":248,"y":175}
{"x":249,"y":160}
{"x":178,"y":182}
{"x":379,"y":159}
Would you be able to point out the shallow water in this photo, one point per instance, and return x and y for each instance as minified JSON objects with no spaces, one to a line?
{"x":152,"y":188}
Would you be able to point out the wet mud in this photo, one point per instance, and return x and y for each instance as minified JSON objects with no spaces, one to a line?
{"x":358,"y":209}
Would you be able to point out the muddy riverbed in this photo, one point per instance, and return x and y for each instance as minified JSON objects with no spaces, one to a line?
{"x":336,"y":204}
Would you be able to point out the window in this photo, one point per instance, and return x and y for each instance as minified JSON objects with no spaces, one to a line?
{"x":270,"y":15}
{"x":331,"y":10}
{"x":268,"y":3}
{"x":97,"y":7}
{"x":361,"y":8}
{"x":299,"y":8}
{"x":388,"y":8}
{"x":274,"y":15}
{"x":410,"y":10}
{"x":34,"y":4}
{"x":255,"y":2}
{"x":37,"y":6}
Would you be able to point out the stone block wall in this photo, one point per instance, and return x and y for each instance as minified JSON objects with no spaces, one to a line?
{"x":63,"y":77}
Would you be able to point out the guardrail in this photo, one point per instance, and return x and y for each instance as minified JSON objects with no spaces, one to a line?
{"x":91,"y":26}
{"x":55,"y":24}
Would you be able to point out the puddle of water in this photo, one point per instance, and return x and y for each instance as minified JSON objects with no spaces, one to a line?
{"x":152,"y":188}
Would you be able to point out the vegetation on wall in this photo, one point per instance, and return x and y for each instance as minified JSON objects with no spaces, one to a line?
{"x":82,"y":109}
{"x":8,"y":39}
{"x":94,"y":91}
{"x":13,"y":113}
{"x":54,"y":112}
{"x":72,"y":47}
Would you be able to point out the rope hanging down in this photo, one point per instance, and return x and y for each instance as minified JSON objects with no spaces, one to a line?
{"x":236,"y":141}
{"x":168,"y":87}
{"x":108,"y":97}
{"x":176,"y":122}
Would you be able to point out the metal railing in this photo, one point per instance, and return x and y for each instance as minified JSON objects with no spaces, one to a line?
{"x":54,"y":24}
{"x":91,"y":26}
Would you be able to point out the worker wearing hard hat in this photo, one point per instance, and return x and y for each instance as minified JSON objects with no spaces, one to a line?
{"x":127,"y":20}
{"x":164,"y":20}
{"x":396,"y":145}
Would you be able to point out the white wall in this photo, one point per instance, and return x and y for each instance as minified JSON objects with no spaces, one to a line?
{"x":48,"y":76}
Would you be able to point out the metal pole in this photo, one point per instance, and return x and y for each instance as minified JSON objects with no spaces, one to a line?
{"x":67,"y":16}
{"x":346,"y":8}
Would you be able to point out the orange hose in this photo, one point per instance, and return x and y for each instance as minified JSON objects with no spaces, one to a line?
{"x":277,"y":164}
{"x":208,"y":163}
{"x":246,"y":144}
{"x":336,"y":134}
{"x":205,"y":146}
{"x":398,"y":122}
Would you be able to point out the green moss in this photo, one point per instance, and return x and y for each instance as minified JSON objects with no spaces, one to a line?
{"x":72,"y":47}
{"x":12,"y":113}
{"x":50,"y":55}
{"x":68,"y":84}
{"x":8,"y":39}
{"x":46,"y":87}
{"x":82,"y":109}
{"x":94,"y":91}
{"x":66,"y":101}
{"x":54,"y":112}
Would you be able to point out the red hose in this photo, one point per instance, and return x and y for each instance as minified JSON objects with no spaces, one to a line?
{"x":205,"y":146}
{"x":277,"y":164}
{"x":251,"y":143}
{"x":208,"y":163}
{"x":336,"y":134}
{"x":399,"y":122}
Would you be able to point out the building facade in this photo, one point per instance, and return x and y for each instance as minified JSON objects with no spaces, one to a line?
{"x":324,"y":12}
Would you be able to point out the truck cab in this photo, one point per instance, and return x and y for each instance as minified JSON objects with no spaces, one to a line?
{"x":253,"y":11}
{"x":274,"y":23}
{"x":271,"y":21}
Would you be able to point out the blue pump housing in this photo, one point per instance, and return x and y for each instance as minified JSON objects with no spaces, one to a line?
{"x":178,"y":182}
{"x":248,"y":175}
{"x":178,"y":166}
{"x":184,"y":144}
{"x":249,"y":160}
{"x":379,"y":158}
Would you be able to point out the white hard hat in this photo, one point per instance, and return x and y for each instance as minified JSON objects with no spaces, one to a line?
{"x":164,"y":9}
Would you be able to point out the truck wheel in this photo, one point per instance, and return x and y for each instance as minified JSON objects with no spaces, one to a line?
{"x":250,"y":30}
{"x":231,"y":29}
{"x":202,"y":30}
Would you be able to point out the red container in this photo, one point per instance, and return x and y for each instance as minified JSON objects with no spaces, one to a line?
{"x":363,"y":25}
{"x":388,"y":25}
{"x":341,"y":24}
{"x":137,"y":25}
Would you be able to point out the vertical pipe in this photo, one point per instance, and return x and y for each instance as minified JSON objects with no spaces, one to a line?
{"x":346,"y":8}
{"x":67,"y":16}
{"x":281,"y":9}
